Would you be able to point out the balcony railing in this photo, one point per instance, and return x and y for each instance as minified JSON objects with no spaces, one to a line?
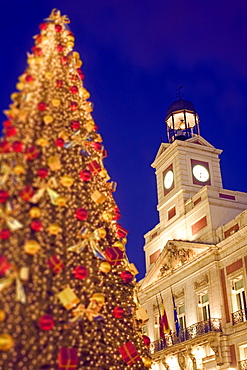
{"x":193,"y":331}
{"x":239,"y":316}
{"x":242,"y":365}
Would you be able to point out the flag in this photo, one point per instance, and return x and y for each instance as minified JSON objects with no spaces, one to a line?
{"x":164,"y":320}
{"x":161,"y":329}
{"x":175,"y":316}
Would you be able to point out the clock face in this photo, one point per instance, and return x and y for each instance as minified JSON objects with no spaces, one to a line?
{"x":168,"y":179}
{"x":200,"y":173}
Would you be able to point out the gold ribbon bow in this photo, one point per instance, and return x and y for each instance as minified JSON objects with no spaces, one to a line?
{"x":91,"y":242}
{"x":77,"y":139}
{"x":43,"y":188}
{"x":56,"y":16}
{"x":14,"y":276}
{"x":12,"y":223}
{"x":90,"y":312}
{"x":6,"y":171}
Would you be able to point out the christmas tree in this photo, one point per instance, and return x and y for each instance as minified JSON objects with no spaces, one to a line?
{"x":67,"y":289}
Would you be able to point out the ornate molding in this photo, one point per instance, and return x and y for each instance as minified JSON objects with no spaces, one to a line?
{"x":203,"y":282}
{"x":179,"y":294}
{"x":175,"y":258}
{"x":182,"y":360}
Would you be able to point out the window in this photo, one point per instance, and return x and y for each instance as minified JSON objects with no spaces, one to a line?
{"x":243,"y":352}
{"x":144,"y":330}
{"x":156,"y":327}
{"x":181,"y":317}
{"x":204,"y":304}
{"x":239,"y":294}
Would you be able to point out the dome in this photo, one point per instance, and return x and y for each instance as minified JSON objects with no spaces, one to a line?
{"x":178,"y":105}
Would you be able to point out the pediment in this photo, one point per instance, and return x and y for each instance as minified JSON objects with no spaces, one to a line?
{"x":161,"y":150}
{"x":200,"y":141}
{"x":175,"y":255}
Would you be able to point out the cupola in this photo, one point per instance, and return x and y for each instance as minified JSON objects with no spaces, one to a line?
{"x":182,"y":121}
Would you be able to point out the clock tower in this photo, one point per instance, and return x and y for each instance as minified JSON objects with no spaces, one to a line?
{"x":192,"y":203}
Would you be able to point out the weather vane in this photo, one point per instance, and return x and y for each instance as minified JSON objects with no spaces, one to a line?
{"x":179,"y":93}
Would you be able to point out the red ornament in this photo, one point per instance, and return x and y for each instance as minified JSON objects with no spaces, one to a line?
{"x":17,"y":146}
{"x":42,"y":172}
{"x":4,"y":195}
{"x":75,"y":125}
{"x":43,"y":26}
{"x":36,"y":225}
{"x":58,"y":28}
{"x":126,"y":276}
{"x":26,"y":193}
{"x":59,"y":142}
{"x":4,"y":265}
{"x":85,"y":175}
{"x":46,"y":322}
{"x":10,"y":131}
{"x":63,"y":61}
{"x":5,"y":147}
{"x":4,"y":234}
{"x":81,"y":75}
{"x":59,"y":83}
{"x":146,"y":340}
{"x":29,"y":78}
{"x":41,"y":106}
{"x":73,"y":89}
{"x":7,"y":123}
{"x":59,"y":48}
{"x":81,"y":214}
{"x":80,"y":272}
{"x":73,"y":105}
{"x":95,"y":127}
{"x":96,"y":145}
{"x":118,"y":312}
{"x":37,"y":51}
{"x":31,"y":153}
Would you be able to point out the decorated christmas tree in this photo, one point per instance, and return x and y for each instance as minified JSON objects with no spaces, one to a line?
{"x":67,"y":289}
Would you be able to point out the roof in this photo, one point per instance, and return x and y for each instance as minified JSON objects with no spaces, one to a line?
{"x":178,"y":105}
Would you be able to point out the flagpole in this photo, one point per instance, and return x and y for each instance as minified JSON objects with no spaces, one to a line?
{"x":161,"y":329}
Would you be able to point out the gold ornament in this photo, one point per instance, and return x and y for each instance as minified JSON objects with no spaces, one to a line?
{"x":56,"y":102}
{"x":70,"y":44}
{"x":2,"y":315}
{"x":103,"y":173}
{"x":119,"y":245}
{"x":48,"y":75}
{"x":105,"y":267}
{"x":86,"y":93}
{"x":48,"y":119}
{"x":54,"y":229}
{"x":100,"y":233}
{"x":42,"y":141}
{"x":54,"y":163}
{"x":38,"y":60}
{"x":147,"y":362}
{"x":99,"y":298}
{"x":70,"y":38}
{"x":31,"y":247}
{"x":19,"y":86}
{"x":14,"y":96}
{"x":6,"y":342}
{"x":67,"y":181}
{"x":35,"y":212}
{"x":107,"y":216}
{"x":61,"y":201}
{"x":124,"y":241}
{"x":19,"y":170}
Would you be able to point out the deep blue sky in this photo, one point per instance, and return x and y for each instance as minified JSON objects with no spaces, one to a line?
{"x":135,"y":54}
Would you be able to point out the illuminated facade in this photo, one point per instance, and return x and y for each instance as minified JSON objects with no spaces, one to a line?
{"x":197,"y":254}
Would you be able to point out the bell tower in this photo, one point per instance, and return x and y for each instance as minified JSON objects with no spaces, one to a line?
{"x":192,"y":203}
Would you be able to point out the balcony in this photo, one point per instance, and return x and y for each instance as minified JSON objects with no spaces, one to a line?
{"x":239,"y":316}
{"x":242,"y":365}
{"x":193,"y":331}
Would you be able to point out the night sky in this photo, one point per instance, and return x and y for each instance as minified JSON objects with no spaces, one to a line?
{"x":135,"y":55}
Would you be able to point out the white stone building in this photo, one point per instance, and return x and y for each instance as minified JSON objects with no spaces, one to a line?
{"x":197,"y":253}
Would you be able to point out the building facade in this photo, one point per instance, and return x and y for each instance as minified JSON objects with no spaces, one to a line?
{"x":196,"y":256}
